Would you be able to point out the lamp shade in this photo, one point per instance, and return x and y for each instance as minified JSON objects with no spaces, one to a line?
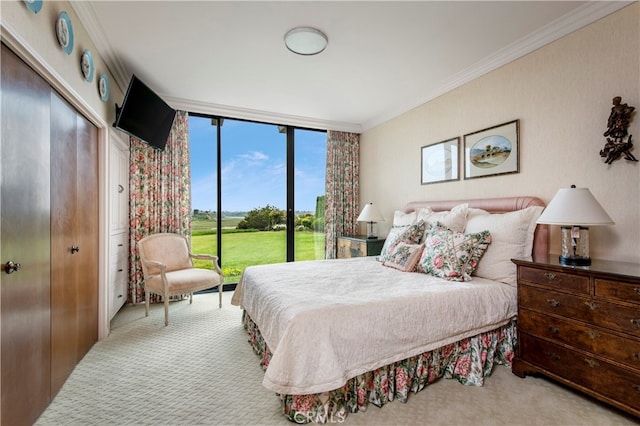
{"x":370,"y":213}
{"x":574,"y":206}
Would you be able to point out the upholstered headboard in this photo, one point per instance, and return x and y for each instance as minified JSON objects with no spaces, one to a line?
{"x":496,"y":205}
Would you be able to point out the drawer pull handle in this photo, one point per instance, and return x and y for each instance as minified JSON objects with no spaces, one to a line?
{"x":593,"y":334}
{"x":553,"y":356}
{"x":550,"y":276}
{"x":636,"y":322}
{"x":592,"y":305}
{"x":637,"y":388}
{"x":553,"y":302}
{"x":553,"y":329}
{"x":637,"y":290}
{"x":636,"y":356}
{"x":592,"y":362}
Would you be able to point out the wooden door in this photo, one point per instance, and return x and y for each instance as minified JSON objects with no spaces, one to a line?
{"x":24,"y":238}
{"x":87,"y":235}
{"x":64,"y":286}
{"x":74,"y":239}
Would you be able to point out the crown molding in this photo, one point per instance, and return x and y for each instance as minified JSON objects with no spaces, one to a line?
{"x":260,"y":115}
{"x":579,"y":18}
{"x":584,"y":15}
{"x":87,"y":16}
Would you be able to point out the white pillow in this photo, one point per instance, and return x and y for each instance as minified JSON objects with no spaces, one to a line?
{"x":401,"y":218}
{"x":455,"y":219}
{"x":512,"y":236}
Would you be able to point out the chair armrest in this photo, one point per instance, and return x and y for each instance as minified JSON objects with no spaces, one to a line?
{"x":203,"y":256}
{"x":155,"y":263}
{"x":212,"y":258}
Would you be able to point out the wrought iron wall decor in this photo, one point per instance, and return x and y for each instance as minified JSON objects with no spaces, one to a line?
{"x":618,"y":140}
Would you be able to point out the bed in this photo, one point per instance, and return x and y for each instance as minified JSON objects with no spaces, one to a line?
{"x":337,"y":335}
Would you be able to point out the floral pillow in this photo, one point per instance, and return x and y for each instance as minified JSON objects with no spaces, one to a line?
{"x":404,"y":256}
{"x":452,"y":255}
{"x":405,"y":234}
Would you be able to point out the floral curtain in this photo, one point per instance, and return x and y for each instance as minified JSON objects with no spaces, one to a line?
{"x":160,"y":195}
{"x":342,"y":188}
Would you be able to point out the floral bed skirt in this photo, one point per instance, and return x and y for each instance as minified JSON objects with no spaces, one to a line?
{"x":468,"y":360}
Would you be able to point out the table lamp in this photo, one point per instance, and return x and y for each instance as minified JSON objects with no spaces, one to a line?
{"x":575,"y":209}
{"x":371,"y":215}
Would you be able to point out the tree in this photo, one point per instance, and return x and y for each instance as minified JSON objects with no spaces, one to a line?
{"x":263,"y":218}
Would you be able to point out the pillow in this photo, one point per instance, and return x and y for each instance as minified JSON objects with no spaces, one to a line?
{"x":512,"y":235}
{"x":452,"y":255}
{"x":456,"y":219}
{"x":404,"y":256}
{"x":401,"y":218}
{"x":471,"y":212}
{"x":408,"y":234}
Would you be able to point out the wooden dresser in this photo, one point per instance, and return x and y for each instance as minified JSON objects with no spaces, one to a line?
{"x":581,"y":326}
{"x":359,"y":246}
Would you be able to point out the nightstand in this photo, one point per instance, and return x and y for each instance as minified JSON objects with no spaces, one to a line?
{"x":359,"y":246}
{"x":581,"y":326}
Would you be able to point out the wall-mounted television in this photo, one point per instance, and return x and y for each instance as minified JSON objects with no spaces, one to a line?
{"x":144,"y":115}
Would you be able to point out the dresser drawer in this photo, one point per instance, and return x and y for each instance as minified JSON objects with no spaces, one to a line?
{"x":558,"y":280}
{"x":581,"y":336}
{"x":611,"y":381}
{"x":627,"y":292}
{"x":593,"y":311}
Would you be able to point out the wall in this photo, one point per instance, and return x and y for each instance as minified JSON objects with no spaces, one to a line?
{"x":562,"y":96}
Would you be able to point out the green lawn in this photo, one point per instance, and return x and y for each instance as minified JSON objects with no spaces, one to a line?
{"x":242,"y":249}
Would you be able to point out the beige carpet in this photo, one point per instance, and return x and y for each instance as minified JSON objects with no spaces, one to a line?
{"x":201,"y":371}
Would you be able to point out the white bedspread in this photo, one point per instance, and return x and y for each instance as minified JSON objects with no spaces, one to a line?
{"x":327,"y":321}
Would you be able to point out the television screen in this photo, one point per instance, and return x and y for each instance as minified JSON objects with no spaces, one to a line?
{"x":144,"y":115}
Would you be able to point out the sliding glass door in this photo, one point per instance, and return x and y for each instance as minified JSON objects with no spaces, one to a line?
{"x":257,"y":192}
{"x":310,"y":157}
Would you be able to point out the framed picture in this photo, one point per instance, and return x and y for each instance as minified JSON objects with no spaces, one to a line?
{"x":439,"y":162}
{"x":492,"y":151}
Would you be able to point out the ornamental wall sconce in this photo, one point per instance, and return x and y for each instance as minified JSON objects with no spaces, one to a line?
{"x":618,"y":140}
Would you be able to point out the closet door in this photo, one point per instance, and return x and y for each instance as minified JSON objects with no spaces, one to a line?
{"x":24,"y":239}
{"x":87,"y":235}
{"x":74,"y":239}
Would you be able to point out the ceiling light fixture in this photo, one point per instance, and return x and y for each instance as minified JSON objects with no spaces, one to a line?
{"x":305,"y":41}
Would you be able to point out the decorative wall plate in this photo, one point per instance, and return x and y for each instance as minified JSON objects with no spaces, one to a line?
{"x":86,"y":64}
{"x":34,"y":5}
{"x":103,"y":87}
{"x":64,"y":32}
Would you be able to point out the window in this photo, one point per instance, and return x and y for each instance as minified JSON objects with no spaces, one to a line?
{"x":257,"y":192}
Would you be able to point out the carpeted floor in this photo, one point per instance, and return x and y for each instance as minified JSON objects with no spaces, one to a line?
{"x":200,"y":370}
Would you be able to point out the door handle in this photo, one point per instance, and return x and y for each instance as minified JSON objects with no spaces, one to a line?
{"x":10,"y":267}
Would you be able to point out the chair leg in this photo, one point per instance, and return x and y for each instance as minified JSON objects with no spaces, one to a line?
{"x":220,"y":294}
{"x":146,"y":303}
{"x":190,"y":298}
{"x":166,"y":311}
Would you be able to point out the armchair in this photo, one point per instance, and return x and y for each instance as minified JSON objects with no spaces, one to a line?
{"x":168,"y":270}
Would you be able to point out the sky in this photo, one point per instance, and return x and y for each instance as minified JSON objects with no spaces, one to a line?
{"x":254,"y":169}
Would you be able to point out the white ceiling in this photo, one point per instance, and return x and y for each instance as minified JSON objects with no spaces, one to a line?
{"x":383,"y":58}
